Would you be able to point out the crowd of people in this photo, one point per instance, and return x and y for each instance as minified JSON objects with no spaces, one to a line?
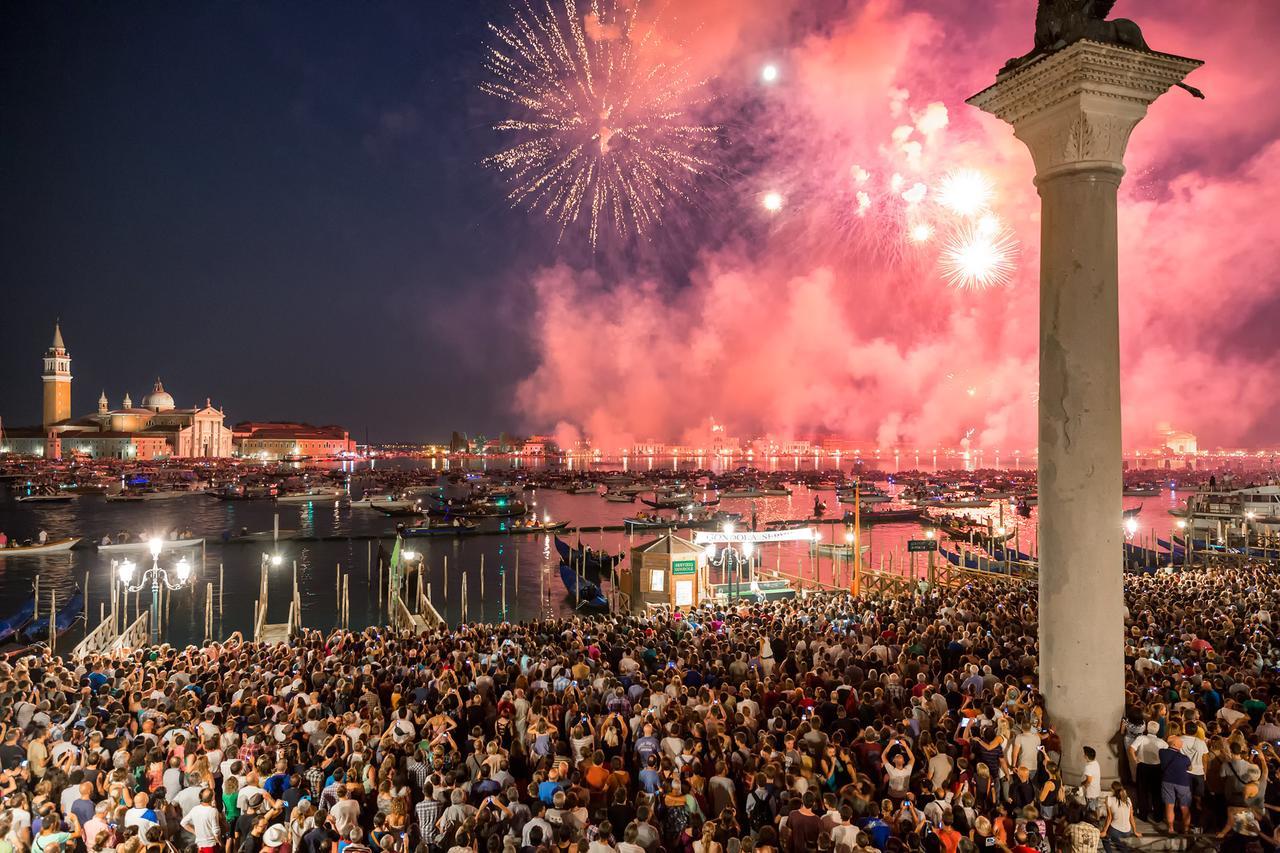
{"x":821,"y":723}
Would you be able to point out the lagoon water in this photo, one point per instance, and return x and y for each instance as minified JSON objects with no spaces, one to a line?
{"x":337,"y":538}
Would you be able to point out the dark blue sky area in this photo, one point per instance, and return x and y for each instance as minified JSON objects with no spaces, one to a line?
{"x":274,"y":205}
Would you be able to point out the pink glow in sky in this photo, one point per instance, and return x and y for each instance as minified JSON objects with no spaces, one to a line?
{"x":821,"y":321}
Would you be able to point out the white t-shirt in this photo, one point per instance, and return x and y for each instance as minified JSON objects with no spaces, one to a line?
{"x":1231,"y":715}
{"x":1121,"y":814}
{"x":1028,"y":744}
{"x":899,"y":778}
{"x":204,"y":825}
{"x":1195,"y":749}
{"x":1093,"y":789}
{"x":247,"y":791}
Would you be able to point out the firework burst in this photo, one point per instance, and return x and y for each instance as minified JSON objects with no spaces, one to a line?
{"x":602,"y":125}
{"x":979,"y":255}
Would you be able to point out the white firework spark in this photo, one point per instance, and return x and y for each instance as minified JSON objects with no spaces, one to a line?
{"x":604,"y":128}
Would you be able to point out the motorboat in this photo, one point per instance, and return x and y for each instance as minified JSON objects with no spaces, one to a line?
{"x":1256,"y":507}
{"x":50,"y":547}
{"x":143,"y":495}
{"x":56,"y":498}
{"x":317,"y":493}
{"x":145,"y":545}
{"x":383,"y":502}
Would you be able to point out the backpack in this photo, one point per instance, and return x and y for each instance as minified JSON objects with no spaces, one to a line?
{"x":760,"y":809}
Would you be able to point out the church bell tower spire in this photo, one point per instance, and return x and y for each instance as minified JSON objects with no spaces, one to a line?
{"x":57,"y":380}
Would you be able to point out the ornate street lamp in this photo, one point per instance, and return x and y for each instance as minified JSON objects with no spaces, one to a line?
{"x":155,"y":576}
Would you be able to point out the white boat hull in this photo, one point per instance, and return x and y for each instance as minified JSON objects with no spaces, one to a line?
{"x":393,"y":505}
{"x":143,"y":547}
{"x":47,"y":548}
{"x":310,"y":497}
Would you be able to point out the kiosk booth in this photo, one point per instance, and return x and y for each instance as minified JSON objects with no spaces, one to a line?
{"x":666,"y":571}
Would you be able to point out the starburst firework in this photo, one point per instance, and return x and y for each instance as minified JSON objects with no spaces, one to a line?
{"x":603,"y":124}
{"x":979,"y":255}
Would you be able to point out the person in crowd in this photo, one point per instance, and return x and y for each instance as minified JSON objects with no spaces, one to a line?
{"x":908,"y":720}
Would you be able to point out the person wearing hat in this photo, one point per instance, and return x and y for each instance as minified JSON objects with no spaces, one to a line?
{"x":275,"y":837}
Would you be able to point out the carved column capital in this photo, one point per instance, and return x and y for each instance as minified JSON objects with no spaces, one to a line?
{"x":1075,"y":109}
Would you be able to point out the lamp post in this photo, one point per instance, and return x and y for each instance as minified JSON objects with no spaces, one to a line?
{"x":155,"y":576}
{"x":730,"y":559}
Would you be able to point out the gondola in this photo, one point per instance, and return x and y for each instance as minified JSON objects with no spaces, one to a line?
{"x":583,"y":593}
{"x":457,"y":527}
{"x":641,"y":523}
{"x":10,"y":627}
{"x":883,"y":516}
{"x":68,"y":614}
{"x":592,"y":563}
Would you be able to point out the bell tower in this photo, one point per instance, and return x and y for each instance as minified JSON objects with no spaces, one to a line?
{"x":57,"y":380}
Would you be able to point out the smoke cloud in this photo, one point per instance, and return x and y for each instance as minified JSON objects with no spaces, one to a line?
{"x":823,"y":317}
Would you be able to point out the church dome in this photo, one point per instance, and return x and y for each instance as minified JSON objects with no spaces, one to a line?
{"x":158,"y":400}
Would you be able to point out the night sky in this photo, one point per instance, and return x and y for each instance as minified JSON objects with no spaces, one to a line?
{"x":268,"y":204}
{"x":282,"y":206}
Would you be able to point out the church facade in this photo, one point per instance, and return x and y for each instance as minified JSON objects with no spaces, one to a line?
{"x":156,"y":428}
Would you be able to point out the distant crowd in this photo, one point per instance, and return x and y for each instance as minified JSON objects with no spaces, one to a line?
{"x":815,"y":724}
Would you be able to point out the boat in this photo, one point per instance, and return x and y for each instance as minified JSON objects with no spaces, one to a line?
{"x":457,"y":527}
{"x":585,"y":489}
{"x":668,"y":502}
{"x":382,"y":502}
{"x":139,"y":496}
{"x":590,"y":561}
{"x":240,"y":492}
{"x":309,"y":495}
{"x":1132,"y":511}
{"x":531,"y":526}
{"x":955,"y":503}
{"x":836,"y":551}
{"x":884,"y":516}
{"x":500,"y":508}
{"x":1142,"y":490}
{"x":145,"y":545}
{"x":399,"y":508}
{"x":68,"y":614}
{"x":1253,"y":507}
{"x":583,"y":593}
{"x":263,"y":536}
{"x":775,"y":492}
{"x":619,"y":498}
{"x":642,"y":522}
{"x":866,"y":495}
{"x":46,"y":498}
{"x":50,"y":547}
{"x":742,"y":493}
{"x":10,"y":626}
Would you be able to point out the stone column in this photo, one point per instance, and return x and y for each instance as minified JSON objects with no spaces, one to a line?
{"x":1075,"y":110}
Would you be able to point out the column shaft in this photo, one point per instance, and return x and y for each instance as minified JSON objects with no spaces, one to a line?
{"x":1081,"y":593}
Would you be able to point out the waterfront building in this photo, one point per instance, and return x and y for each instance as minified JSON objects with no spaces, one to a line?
{"x":155,"y":429}
{"x":288,"y":440}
